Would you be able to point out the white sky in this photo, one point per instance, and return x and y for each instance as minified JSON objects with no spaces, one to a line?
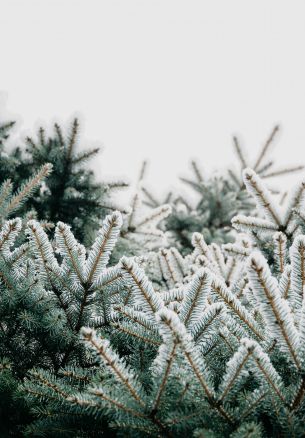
{"x":163,"y":80}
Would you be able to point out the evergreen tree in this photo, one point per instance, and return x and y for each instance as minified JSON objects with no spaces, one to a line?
{"x":47,"y":295}
{"x":202,"y":335}
{"x":71,"y":193}
{"x":215,"y":199}
{"x":220,"y":354}
{"x":15,"y":345}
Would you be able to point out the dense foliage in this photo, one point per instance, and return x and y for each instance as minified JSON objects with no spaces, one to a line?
{"x":214,"y":199}
{"x":166,"y":322}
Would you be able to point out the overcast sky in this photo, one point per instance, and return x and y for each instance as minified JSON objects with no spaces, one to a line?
{"x":163,"y":80}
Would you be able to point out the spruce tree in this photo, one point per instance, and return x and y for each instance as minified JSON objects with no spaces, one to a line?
{"x":215,"y":199}
{"x":71,"y":193}
{"x":219,"y":354}
{"x":16,"y":297}
{"x":202,"y":337}
{"x":47,"y":295}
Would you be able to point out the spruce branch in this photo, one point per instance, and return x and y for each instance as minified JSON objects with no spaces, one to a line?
{"x":260,"y":193}
{"x":282,"y":172}
{"x":197,"y":171}
{"x":141,"y":287}
{"x":265,"y":368}
{"x":168,"y":270}
{"x":172,"y":330}
{"x":59,"y":134}
{"x":72,"y":138}
{"x":195,"y":298}
{"x":235,"y":249}
{"x":297,"y":277}
{"x":294,"y":202}
{"x":158,"y":214}
{"x":266,"y":147}
{"x":239,"y":153}
{"x":122,"y":373}
{"x":27,"y":189}
{"x":8,"y":235}
{"x":206,"y":320}
{"x":80,"y":158}
{"x":5,"y":192}
{"x":234,"y":372}
{"x":222,"y":291}
{"x":168,"y":354}
{"x":280,"y":242}
{"x":73,"y":252}
{"x":275,"y":310}
{"x":150,"y":197}
{"x":103,"y":245}
{"x":245,"y":224}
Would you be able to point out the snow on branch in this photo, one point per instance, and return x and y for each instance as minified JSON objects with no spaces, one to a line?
{"x":42,"y":249}
{"x":115,"y":364}
{"x":102,"y":247}
{"x":195,"y":297}
{"x":223,"y":292}
{"x":275,"y":310}
{"x":142,"y":289}
{"x":262,"y":197}
{"x":247,"y":223}
{"x":73,"y":252}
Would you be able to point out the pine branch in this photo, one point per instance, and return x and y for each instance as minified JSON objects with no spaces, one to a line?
{"x":72,"y":139}
{"x":265,"y":367}
{"x":85,"y":156}
{"x":245,"y":224}
{"x":234,"y":371}
{"x":169,"y":272}
{"x":115,"y":364}
{"x":141,"y":287}
{"x":137,"y":317}
{"x":168,"y":358}
{"x":234,"y":249}
{"x":280,"y":241}
{"x":297,"y":257}
{"x":152,"y":200}
{"x":235,"y":305}
{"x":197,"y":172}
{"x":59,"y":134}
{"x":262,"y":197}
{"x":195,"y":297}
{"x":27,"y":189}
{"x":219,"y":259}
{"x":5,"y":192}
{"x":73,"y":252}
{"x":282,"y":172}
{"x":158,"y":215}
{"x":140,"y":335}
{"x":275,"y":310}
{"x":205,"y":321}
{"x":172,"y":330}
{"x":295,"y":200}
{"x":8,"y":235}
{"x":239,"y":153}
{"x":41,"y":134}
{"x":266,"y":147}
{"x":103,"y":245}
{"x":42,"y":249}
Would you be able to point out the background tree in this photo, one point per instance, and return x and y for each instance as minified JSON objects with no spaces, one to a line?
{"x":71,"y":193}
{"x":214,"y":199}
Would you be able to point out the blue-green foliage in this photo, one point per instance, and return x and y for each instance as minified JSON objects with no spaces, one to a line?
{"x":200,"y":337}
